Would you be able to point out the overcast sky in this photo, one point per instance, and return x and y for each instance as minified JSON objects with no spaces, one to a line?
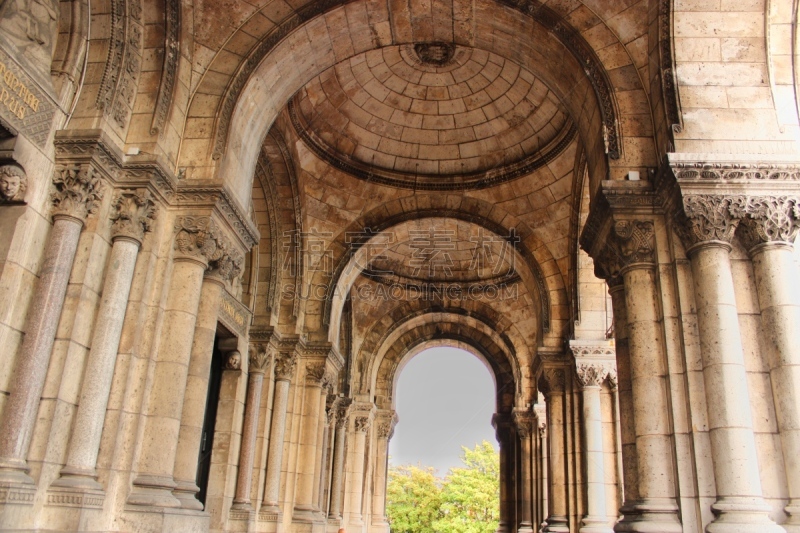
{"x":445,"y":400}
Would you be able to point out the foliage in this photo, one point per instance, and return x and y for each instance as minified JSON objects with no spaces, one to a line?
{"x":466,"y":501}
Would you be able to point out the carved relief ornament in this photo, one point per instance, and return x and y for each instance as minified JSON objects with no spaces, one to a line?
{"x":234,"y":360}
{"x":343,"y":412}
{"x":591,"y":374}
{"x":316,"y":373}
{"x":77,"y":192}
{"x":524,"y":422}
{"x":553,"y":380}
{"x":285,"y":364}
{"x":259,"y":358}
{"x":362,"y":424}
{"x":634,"y":242}
{"x":132,"y":214}
{"x":770,"y":219}
{"x":709,"y":218}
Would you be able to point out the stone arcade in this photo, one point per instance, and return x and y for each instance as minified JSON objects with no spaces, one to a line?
{"x":225,"y":226}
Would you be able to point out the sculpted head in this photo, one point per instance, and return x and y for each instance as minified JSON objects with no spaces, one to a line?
{"x":13,"y":183}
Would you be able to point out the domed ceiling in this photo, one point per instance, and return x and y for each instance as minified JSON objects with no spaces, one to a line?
{"x":431,"y":116}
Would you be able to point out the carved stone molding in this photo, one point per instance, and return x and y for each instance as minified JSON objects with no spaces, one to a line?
{"x":197,"y":238}
{"x":229,"y":265}
{"x":635,"y":242}
{"x":591,"y":374}
{"x":133,"y":214}
{"x":330,"y":408}
{"x":234,"y":360}
{"x":285,"y":364}
{"x":553,"y":380}
{"x":709,"y":217}
{"x":259,"y":358}
{"x":172,"y":22}
{"x":362,"y":424}
{"x":770,"y":219}
{"x":13,"y":184}
{"x":77,"y":192}
{"x":385,"y":424}
{"x":613,"y":379}
{"x":603,"y":349}
{"x":701,"y":171}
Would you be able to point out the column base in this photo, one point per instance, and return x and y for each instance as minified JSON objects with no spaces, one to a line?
{"x":649,"y":516}
{"x":269,"y":512}
{"x":77,"y":479}
{"x":307,"y":515}
{"x":742,"y":515}
{"x":792,"y":524}
{"x":15,"y":472}
{"x":595,"y":524}
{"x":380,"y":526}
{"x":525,"y":527}
{"x":76,"y":489}
{"x":186,"y":493}
{"x":556,"y":524}
{"x":153,"y":491}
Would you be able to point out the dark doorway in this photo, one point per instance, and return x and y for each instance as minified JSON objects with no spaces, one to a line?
{"x":209,"y":421}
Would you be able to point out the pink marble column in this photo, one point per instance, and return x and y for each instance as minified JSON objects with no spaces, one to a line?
{"x":259,"y":361}
{"x":196,"y":243}
{"x":337,"y":476}
{"x":133,"y":215}
{"x":285,"y":362}
{"x":76,"y":194}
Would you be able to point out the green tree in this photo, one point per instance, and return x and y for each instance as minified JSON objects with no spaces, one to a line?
{"x":466,"y":501}
{"x":414,"y":495}
{"x":471,"y":495}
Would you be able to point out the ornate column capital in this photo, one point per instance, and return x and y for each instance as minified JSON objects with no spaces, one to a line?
{"x":525,"y":421}
{"x":133,"y":213}
{"x":634,"y":243}
{"x":316,"y":373}
{"x":285,"y":364}
{"x":362,"y":423}
{"x":770,"y":219}
{"x":386,"y":422}
{"x":259,"y":358}
{"x":229,"y":264}
{"x":553,"y":380}
{"x":594,"y":360}
{"x":343,"y":412}
{"x":197,"y":239}
{"x":591,"y":374}
{"x":709,"y":218}
{"x":77,"y":192}
{"x":503,"y":427}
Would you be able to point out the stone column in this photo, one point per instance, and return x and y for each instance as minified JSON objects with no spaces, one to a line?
{"x":76,"y":194}
{"x":385,"y":425}
{"x":524,"y":422}
{"x":355,"y":480}
{"x":337,"y":476}
{"x":259,"y":360}
{"x":553,"y":385}
{"x":633,"y":247}
{"x":285,"y":362}
{"x":304,"y":490}
{"x":544,"y":461}
{"x":319,"y":461}
{"x":590,"y":376}
{"x":327,"y":435}
{"x":132,"y":215}
{"x":196,"y":243}
{"x":707,"y":231}
{"x":768,"y":233}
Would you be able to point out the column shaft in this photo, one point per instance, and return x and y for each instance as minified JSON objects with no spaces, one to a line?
{"x":596,"y":519}
{"x":526,"y":518}
{"x":739,"y":506}
{"x":355,"y":478}
{"x":557,"y":471}
{"x":155,"y":481}
{"x":33,"y":358}
{"x":87,"y":431}
{"x":335,"y":512}
{"x":275,"y":452}
{"x":779,"y":299}
{"x":247,"y":452}
{"x":304,"y":491}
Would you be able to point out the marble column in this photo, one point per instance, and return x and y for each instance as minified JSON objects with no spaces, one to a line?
{"x":524,"y":422}
{"x":589,"y":378}
{"x":337,"y":476}
{"x":355,"y":476}
{"x":259,"y":361}
{"x":196,"y":243}
{"x":385,"y":429}
{"x":768,"y":233}
{"x":323,"y":481}
{"x":132,"y":216}
{"x":656,"y":509}
{"x":285,"y":362}
{"x":304,"y":490}
{"x":553,"y":385}
{"x":319,"y":452}
{"x":76,"y":194}
{"x":707,"y":232}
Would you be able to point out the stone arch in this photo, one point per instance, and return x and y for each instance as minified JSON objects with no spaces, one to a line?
{"x":590,"y":98}
{"x":541,"y":276}
{"x":411,"y":341}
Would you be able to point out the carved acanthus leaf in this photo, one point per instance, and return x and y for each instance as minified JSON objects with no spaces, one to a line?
{"x":362,"y":424}
{"x":315,"y":373}
{"x":770,"y":219}
{"x":133,"y":214}
{"x":259,"y":358}
{"x":198,"y":238}
{"x":525,"y":422}
{"x":552,"y":380}
{"x":285,"y":363}
{"x":77,"y":192}
{"x":591,"y":374}
{"x":709,"y":217}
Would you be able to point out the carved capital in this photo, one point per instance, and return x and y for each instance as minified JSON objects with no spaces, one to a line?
{"x":285,"y":364}
{"x":316,"y":373}
{"x":77,"y":192}
{"x":386,"y":424}
{"x":362,"y":424}
{"x":133,"y":213}
{"x":607,"y":264}
{"x":13,"y":184}
{"x":259,"y":358}
{"x":709,"y":218}
{"x":503,"y":428}
{"x":228,"y":267}
{"x":613,"y":380}
{"x":553,"y":380}
{"x":343,"y":412}
{"x":634,"y":242}
{"x":591,"y":374}
{"x":197,"y":238}
{"x":525,"y":423}
{"x":770,"y":219}
{"x":234,"y":360}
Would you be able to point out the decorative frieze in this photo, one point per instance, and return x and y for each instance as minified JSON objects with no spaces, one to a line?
{"x":77,"y":192}
{"x":13,"y":184}
{"x":133,"y":213}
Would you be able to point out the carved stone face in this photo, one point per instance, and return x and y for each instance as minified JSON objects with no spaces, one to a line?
{"x":9,"y":185}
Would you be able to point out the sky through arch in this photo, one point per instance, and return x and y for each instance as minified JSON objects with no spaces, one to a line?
{"x":445,"y":399}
